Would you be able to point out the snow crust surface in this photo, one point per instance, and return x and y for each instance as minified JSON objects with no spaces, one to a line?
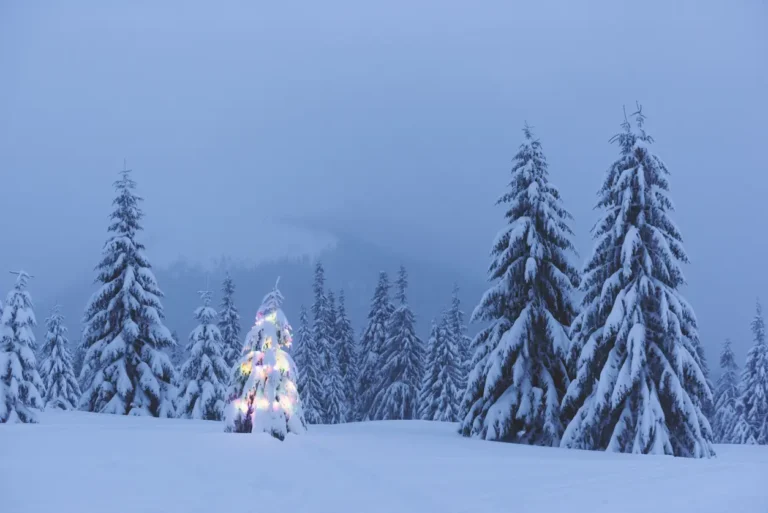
{"x":76,"y":462}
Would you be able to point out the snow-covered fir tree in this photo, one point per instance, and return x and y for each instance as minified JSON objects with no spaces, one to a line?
{"x":229,"y":323}
{"x":371,"y":345}
{"x":269,"y":402}
{"x":62,"y":391}
{"x":429,"y":372}
{"x":334,"y":400}
{"x":309,"y":381}
{"x":458,"y":331}
{"x":332,"y":313}
{"x":752,"y":404}
{"x":441,"y":386}
{"x":301,"y":344}
{"x":707,"y":402}
{"x":204,"y":375}
{"x":21,"y":389}
{"x":78,"y":355}
{"x":126,"y":369}
{"x":725,"y":395}
{"x":518,"y":375}
{"x":639,"y":383}
{"x":348,"y":357}
{"x":321,"y":333}
{"x":402,"y":358}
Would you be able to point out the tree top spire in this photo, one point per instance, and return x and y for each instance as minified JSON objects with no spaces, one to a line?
{"x":21,"y":278}
{"x":206,"y":296}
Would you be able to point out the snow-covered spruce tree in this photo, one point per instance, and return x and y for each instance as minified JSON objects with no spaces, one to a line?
{"x":371,"y":345}
{"x":204,"y":375}
{"x":270,"y":400}
{"x":334,"y":401}
{"x":321,"y":332}
{"x":78,"y":355}
{"x":458,"y":330}
{"x":752,"y":405}
{"x":229,"y":323}
{"x":725,"y":395}
{"x":62,"y":391}
{"x":348,"y":357}
{"x":707,"y":402}
{"x":639,"y":384}
{"x":519,"y":374}
{"x":402,"y":358}
{"x":309,"y":381}
{"x":21,"y":388}
{"x":429,"y":373}
{"x":126,"y":369}
{"x":441,"y":385}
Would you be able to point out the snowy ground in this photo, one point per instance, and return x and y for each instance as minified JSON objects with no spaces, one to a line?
{"x":85,"y":463}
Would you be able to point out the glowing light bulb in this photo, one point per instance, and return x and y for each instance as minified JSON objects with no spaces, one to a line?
{"x":282,"y":362}
{"x":241,"y":405}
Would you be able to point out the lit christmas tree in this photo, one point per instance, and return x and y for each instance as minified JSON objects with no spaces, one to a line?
{"x":263,"y":395}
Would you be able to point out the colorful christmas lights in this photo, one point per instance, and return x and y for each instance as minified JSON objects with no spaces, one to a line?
{"x":268,"y":400}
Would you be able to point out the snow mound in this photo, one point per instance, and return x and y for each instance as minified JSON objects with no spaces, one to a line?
{"x":75,"y":462}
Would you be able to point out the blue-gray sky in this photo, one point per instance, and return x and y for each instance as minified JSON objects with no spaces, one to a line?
{"x":396,"y":120}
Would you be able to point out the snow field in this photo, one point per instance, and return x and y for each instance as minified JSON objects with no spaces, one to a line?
{"x":75,"y":462}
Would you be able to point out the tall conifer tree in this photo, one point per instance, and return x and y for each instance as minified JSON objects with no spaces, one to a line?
{"x":458,"y":331}
{"x":348,"y":357}
{"x":229,"y":323}
{"x":401,"y":357}
{"x":62,"y":390}
{"x":519,"y":375}
{"x":429,"y":373}
{"x":21,"y":389}
{"x":309,"y":381}
{"x":205,"y":373}
{"x":639,"y":383}
{"x":726,"y":393}
{"x":442,"y":378}
{"x":335,"y":403}
{"x":126,"y":369}
{"x":371,"y":345}
{"x":752,"y":405}
{"x":321,"y":333}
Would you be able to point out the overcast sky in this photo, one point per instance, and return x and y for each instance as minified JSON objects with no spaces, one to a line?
{"x":394,"y":120}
